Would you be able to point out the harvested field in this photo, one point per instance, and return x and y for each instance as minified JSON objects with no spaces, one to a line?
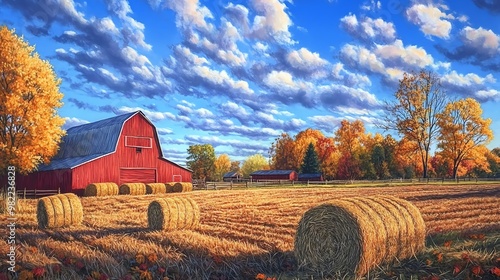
{"x":244,"y":234}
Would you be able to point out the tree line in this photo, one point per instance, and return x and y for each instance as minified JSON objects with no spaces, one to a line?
{"x":421,"y":114}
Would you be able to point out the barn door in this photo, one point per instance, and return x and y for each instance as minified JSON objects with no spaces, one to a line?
{"x":137,"y":175}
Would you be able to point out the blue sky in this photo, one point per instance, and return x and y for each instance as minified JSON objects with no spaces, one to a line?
{"x":236,"y":74}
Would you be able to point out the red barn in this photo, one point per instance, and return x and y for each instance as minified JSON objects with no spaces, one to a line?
{"x":122,"y":149}
{"x":264,"y":175}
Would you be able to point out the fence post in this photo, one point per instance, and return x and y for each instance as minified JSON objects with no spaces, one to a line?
{"x":35,"y":192}
{"x":59,"y":190}
{"x":24,"y":194}
{"x":231,"y":185}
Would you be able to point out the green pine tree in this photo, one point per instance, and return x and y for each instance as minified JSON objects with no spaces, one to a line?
{"x":310,"y":163}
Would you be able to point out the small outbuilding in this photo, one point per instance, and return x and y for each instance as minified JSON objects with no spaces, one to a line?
{"x":310,"y":177}
{"x":232,"y":176}
{"x":267,"y":175}
{"x":121,"y":149}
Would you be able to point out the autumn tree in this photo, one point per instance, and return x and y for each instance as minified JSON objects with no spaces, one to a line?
{"x":328,"y":156}
{"x":350,"y":135}
{"x":282,"y":153}
{"x":462,"y":130}
{"x":302,"y":141}
{"x":254,"y":163}
{"x":349,"y":138}
{"x":235,"y":166}
{"x":420,"y":100}
{"x":201,"y":160}
{"x":222,"y":166}
{"x":30,"y":128}
{"x":310,"y":162}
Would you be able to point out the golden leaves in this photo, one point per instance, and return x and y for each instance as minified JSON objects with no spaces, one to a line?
{"x":29,"y":97}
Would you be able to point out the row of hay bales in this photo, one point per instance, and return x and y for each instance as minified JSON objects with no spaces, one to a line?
{"x":110,"y":188}
{"x":64,"y":210}
{"x":347,"y":236}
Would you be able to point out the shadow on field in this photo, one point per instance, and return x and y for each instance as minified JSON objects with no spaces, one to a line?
{"x":468,"y":194}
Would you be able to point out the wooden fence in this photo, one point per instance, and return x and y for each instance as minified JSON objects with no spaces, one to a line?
{"x":36,"y":193}
{"x":269,"y":183}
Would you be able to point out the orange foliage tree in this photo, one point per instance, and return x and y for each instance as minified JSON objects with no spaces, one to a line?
{"x":462,"y":131}
{"x":328,"y":156}
{"x":419,"y":101}
{"x":30,"y":128}
{"x":282,"y":153}
{"x":349,"y":138}
{"x":302,"y":141}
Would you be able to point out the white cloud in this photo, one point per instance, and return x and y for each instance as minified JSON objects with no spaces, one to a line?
{"x":369,"y":29}
{"x":468,"y":79}
{"x":272,"y":21}
{"x":481,"y":40}
{"x":70,"y":122}
{"x":360,"y":56}
{"x":151,"y":115}
{"x":400,"y":55}
{"x":305,"y":60}
{"x":191,"y":14}
{"x":431,"y":20}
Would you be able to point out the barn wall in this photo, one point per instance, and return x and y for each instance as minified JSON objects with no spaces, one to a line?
{"x":169,"y":172}
{"x":45,"y":180}
{"x":100,"y":170}
{"x":137,"y":126}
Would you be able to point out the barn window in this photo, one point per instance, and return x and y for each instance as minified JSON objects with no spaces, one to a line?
{"x":138,"y":142}
{"x":138,"y":150}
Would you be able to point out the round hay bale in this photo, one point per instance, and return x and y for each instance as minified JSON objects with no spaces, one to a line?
{"x":169,"y":187}
{"x":173,"y":213}
{"x":101,"y":189}
{"x":354,"y":235}
{"x":153,"y":188}
{"x":59,"y":210}
{"x":133,"y":189}
{"x":182,"y":187}
{"x":416,"y":242}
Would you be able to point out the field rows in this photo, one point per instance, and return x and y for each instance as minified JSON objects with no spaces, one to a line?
{"x":242,"y":232}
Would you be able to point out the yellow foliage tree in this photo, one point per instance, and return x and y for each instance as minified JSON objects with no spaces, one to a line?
{"x":254,"y":163}
{"x":30,"y":129}
{"x":414,"y":115}
{"x":222,"y":166}
{"x":462,"y":131}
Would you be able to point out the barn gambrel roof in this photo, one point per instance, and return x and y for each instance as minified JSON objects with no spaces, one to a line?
{"x":88,"y":142}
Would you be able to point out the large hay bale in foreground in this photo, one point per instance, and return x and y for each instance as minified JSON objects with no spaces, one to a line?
{"x":133,"y":188}
{"x":101,"y":189}
{"x":354,"y":235}
{"x":153,"y":188}
{"x":182,"y":187}
{"x":173,"y":213}
{"x":59,"y":210}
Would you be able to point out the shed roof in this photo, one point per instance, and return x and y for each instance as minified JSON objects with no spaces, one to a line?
{"x":231,"y":174}
{"x":88,"y":142}
{"x":272,"y":172}
{"x":309,"y":175}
